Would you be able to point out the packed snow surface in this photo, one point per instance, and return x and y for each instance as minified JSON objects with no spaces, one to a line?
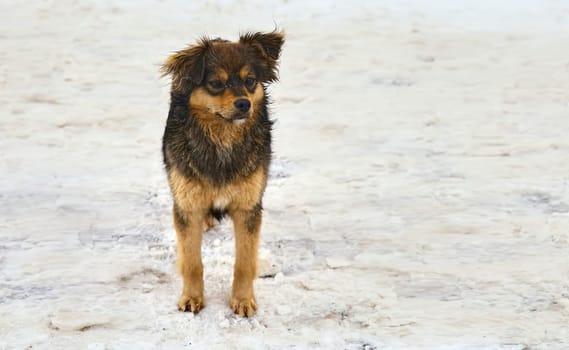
{"x":418,"y":197}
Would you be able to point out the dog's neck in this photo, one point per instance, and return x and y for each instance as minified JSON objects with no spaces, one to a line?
{"x":221,"y":132}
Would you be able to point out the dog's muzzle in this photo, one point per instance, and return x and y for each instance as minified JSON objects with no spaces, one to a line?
{"x":242,"y":105}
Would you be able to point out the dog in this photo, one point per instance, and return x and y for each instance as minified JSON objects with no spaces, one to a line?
{"x":217,"y":150}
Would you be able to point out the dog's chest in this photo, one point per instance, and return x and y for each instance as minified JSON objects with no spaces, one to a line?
{"x":221,"y":201}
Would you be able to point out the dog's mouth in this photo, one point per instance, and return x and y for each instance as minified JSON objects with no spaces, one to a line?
{"x":236,"y":118}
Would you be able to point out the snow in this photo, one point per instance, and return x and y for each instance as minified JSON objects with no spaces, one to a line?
{"x":418,"y":197}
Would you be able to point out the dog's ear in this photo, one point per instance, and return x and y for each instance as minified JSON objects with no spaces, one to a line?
{"x":187,"y":66}
{"x":268,"y":47}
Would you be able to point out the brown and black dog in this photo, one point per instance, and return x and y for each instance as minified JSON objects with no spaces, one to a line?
{"x":217,"y":150}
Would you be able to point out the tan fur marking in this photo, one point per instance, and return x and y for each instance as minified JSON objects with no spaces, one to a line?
{"x":190,"y":262}
{"x":223,"y":132}
{"x":194,"y":198}
{"x":199,"y":196}
{"x":257,"y":96}
{"x":244,"y":72}
{"x":245,"y":270}
{"x":220,"y":74}
{"x":205,"y":106}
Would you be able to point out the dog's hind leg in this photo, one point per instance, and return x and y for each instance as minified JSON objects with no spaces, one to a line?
{"x":189,"y":231}
{"x":247,"y":224}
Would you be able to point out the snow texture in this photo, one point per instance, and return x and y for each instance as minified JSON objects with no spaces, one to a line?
{"x":418,"y":197}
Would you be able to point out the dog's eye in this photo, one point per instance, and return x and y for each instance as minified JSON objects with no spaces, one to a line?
{"x":249,"y":82}
{"x":216,"y":84}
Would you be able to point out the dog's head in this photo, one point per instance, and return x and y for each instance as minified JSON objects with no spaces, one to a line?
{"x":226,"y":79}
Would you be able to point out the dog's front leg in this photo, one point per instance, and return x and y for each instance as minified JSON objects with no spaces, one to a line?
{"x":189,"y":226}
{"x":247,"y":224}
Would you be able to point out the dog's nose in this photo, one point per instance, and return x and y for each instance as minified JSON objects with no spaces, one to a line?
{"x":242,"y":104}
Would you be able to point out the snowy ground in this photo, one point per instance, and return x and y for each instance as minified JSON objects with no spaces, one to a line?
{"x":418,"y":199}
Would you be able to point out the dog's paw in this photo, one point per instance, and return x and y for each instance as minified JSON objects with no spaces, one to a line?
{"x":244,"y":307}
{"x":193,"y":304}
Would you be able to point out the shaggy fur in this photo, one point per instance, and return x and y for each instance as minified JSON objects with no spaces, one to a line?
{"x":217,"y":150}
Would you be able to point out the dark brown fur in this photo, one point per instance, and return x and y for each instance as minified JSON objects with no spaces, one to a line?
{"x":217,"y":150}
